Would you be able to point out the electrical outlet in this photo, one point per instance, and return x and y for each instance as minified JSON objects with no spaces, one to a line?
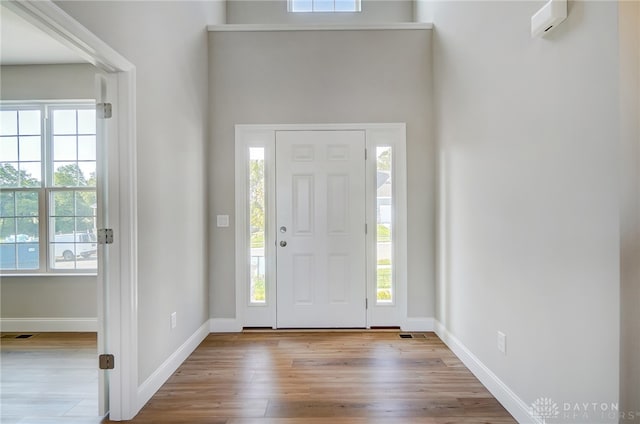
{"x":174,"y":320}
{"x":502,"y":342}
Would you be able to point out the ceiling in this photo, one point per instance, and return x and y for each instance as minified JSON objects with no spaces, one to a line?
{"x":23,"y":44}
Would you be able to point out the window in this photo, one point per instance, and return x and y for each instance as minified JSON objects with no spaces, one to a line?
{"x":48,"y":188}
{"x":257,"y":224}
{"x":324,"y":6}
{"x":384,"y":227}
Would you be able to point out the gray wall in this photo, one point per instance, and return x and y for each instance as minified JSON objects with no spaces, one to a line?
{"x":47,"y":296}
{"x":167,"y":42}
{"x":275,"y":12}
{"x":322,"y":77}
{"x":47,"y":82}
{"x":629,"y":21}
{"x":527,"y":132}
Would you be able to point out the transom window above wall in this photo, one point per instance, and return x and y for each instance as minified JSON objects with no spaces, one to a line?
{"x":324,"y":5}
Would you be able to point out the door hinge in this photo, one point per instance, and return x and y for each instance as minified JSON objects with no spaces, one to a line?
{"x":366,"y":303}
{"x":105,"y":236}
{"x":366,"y":229}
{"x":103,"y":110}
{"x":106,"y":362}
{"x":365,"y":154}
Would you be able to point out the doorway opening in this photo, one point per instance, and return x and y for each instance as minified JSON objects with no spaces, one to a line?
{"x":117,"y":265}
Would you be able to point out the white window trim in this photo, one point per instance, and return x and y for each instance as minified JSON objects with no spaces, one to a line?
{"x":46,"y":184}
{"x":264,"y":315}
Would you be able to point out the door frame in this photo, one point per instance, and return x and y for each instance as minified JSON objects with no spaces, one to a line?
{"x":391,"y":134}
{"x":122,"y":267}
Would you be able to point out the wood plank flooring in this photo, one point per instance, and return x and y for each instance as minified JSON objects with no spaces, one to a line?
{"x":323,"y":377}
{"x":48,"y":378}
{"x":272,"y":377}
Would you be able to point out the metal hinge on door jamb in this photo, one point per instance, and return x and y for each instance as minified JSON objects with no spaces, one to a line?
{"x":106,"y":362}
{"x":103,"y":110}
{"x":105,"y":236}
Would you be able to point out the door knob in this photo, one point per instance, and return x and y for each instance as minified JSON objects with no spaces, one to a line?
{"x":283,"y":229}
{"x":283,"y":243}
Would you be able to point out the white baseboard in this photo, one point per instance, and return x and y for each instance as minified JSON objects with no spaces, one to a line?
{"x":225,"y":325}
{"x":418,"y":324}
{"x":43,"y":325}
{"x":512,"y":402}
{"x":151,"y":385}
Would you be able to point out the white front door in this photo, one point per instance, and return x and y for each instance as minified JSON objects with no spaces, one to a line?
{"x":320,"y":215}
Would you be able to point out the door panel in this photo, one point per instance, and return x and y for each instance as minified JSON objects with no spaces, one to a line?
{"x":320,"y":207}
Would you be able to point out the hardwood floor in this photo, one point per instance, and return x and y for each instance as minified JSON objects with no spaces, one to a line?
{"x":272,"y":377}
{"x":323,"y":377}
{"x":48,"y":378}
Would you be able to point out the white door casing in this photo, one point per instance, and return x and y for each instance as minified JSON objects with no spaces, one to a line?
{"x":320,"y":208}
{"x":263,"y":314}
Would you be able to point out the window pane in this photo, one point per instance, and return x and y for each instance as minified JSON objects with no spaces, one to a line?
{"x":28,"y":256}
{"x":257,"y":224}
{"x":64,"y":121}
{"x":347,"y":6}
{"x":7,"y":204}
{"x":384,"y":228}
{"x":62,"y":203}
{"x":86,"y":203}
{"x":87,"y":174}
{"x":8,"y":122}
{"x":323,"y":5}
{"x":67,"y":174}
{"x":87,"y":147}
{"x":27,"y":230}
{"x":9,"y":149}
{"x":86,"y":121}
{"x":64,"y":148}
{"x":30,"y":148}
{"x":27,"y":203}
{"x":9,"y":176}
{"x":63,"y":226}
{"x":301,"y":5}
{"x":30,"y":174}
{"x":29,"y":122}
{"x":7,"y":230}
{"x":63,"y":254}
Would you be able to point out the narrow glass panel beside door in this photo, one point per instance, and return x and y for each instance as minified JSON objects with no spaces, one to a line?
{"x":257,"y":208}
{"x":384,"y":227}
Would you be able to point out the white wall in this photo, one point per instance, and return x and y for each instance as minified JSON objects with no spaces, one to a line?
{"x":527,"y":132}
{"x":47,"y":297}
{"x":167,"y":42}
{"x":295,"y":77}
{"x":275,"y":12}
{"x":629,"y":21}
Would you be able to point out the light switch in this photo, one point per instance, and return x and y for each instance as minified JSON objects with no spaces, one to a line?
{"x":223,"y":220}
